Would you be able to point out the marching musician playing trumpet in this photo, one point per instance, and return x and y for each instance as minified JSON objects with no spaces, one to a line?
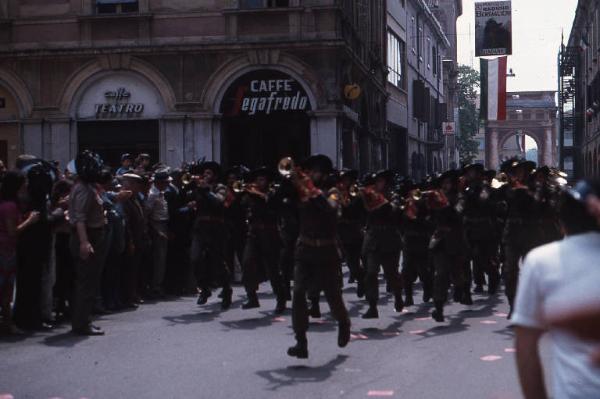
{"x":262,"y":242}
{"x":382,"y":243}
{"x":317,"y":259}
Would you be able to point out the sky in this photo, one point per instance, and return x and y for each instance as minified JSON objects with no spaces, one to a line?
{"x":537,"y":28}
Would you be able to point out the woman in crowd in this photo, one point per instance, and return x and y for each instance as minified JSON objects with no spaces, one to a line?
{"x":12,"y":224}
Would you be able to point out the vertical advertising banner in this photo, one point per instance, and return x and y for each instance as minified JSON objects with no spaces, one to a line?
{"x":493,"y":28}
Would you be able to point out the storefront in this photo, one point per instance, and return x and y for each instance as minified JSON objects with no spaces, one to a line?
{"x":119,"y":113}
{"x":265,"y":116}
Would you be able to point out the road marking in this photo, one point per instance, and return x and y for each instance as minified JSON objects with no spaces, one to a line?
{"x":279,"y":319}
{"x":390,"y":333}
{"x":358,"y":336}
{"x":416,"y":332}
{"x":510,"y":350}
{"x":503,"y":315}
{"x":488,"y":322}
{"x":6,"y":396}
{"x":380,"y":393}
{"x":490,"y":358}
{"x":423,"y":318}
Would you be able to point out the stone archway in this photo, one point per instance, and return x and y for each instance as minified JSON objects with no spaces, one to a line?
{"x":497,"y":132}
{"x":325,"y":131}
{"x":505,"y":139}
{"x":17,"y":104}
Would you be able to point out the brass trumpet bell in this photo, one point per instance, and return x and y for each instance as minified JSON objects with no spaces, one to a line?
{"x":286,"y":167}
{"x":238,"y":186}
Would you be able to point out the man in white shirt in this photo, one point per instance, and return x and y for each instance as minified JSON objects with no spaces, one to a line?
{"x":556,"y":279}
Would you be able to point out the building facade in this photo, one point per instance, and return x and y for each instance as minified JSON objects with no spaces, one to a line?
{"x":417,"y":105}
{"x":237,"y":81}
{"x":579,"y":94}
{"x":533,"y":114}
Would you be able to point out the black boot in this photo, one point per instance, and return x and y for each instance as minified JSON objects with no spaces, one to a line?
{"x":343,"y":334}
{"x":438,"y":313}
{"x":315,"y":309}
{"x":398,"y":303}
{"x":478,"y":289}
{"x":426,"y":295}
{"x":281,"y":305}
{"x":300,"y":350}
{"x":360,"y":289}
{"x":203,"y":297}
{"x":409,"y":301}
{"x":252,"y":302}
{"x":372,"y":312}
{"x":467,"y":300}
{"x":227,"y":296}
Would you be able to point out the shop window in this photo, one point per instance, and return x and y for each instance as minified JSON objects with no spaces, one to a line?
{"x":116,"y":6}
{"x":264,"y":3}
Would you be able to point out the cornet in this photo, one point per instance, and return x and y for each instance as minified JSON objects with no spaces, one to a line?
{"x":286,"y":167}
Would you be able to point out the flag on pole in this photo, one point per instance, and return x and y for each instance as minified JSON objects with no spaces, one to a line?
{"x":493,"y":89}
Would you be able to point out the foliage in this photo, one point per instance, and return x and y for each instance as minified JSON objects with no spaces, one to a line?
{"x":467,"y":91}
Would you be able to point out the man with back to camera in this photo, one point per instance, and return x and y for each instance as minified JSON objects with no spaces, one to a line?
{"x":556,"y":279}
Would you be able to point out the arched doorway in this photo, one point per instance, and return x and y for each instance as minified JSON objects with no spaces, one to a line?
{"x":9,"y":128}
{"x":521,"y":146}
{"x":116,"y":113}
{"x":264,"y":118}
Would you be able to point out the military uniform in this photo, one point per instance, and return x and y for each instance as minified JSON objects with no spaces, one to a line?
{"x":262,"y":248}
{"x":350,"y":230}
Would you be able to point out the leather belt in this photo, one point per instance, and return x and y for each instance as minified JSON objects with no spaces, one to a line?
{"x":317,"y":243}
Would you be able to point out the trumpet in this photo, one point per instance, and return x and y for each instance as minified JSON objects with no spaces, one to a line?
{"x":238,"y":186}
{"x":188,"y":178}
{"x":286,"y":167}
{"x":418,"y":195}
{"x":354,"y":190}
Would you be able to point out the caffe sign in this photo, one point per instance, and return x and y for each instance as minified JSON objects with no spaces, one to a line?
{"x":264,"y":93}
{"x":117,"y":105}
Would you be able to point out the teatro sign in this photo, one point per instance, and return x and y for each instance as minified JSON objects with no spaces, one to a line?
{"x":264,"y":93}
{"x":117,"y":105}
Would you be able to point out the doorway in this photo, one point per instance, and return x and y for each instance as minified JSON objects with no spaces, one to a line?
{"x":262,"y":140}
{"x":111,"y":139}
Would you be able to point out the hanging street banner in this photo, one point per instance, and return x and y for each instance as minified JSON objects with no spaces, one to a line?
{"x":493,"y":89}
{"x":493,"y":28}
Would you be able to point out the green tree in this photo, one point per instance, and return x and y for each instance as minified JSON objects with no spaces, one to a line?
{"x":467,"y":88}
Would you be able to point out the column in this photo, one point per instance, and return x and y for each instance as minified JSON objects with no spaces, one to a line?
{"x":324,"y":137}
{"x":493,"y":153}
{"x":32,"y":137}
{"x":547,"y":158}
{"x":172,"y":143}
{"x":59,"y":142}
{"x":206,"y":137}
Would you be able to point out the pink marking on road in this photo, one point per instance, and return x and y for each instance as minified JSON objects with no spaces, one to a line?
{"x":6,"y":396}
{"x":423,"y":318}
{"x":390,"y":333}
{"x":503,"y":315}
{"x":510,"y":350}
{"x":490,"y":358}
{"x":416,"y":332}
{"x":358,"y":336}
{"x":380,"y":393}
{"x":279,"y":319}
{"x":488,"y":322}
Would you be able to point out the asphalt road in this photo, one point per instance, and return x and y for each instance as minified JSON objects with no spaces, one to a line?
{"x":176,"y":349}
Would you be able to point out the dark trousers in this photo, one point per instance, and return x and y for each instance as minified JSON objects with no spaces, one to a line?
{"x":65,"y":272}
{"x":131,"y":276}
{"x":483,"y":254}
{"x":316,"y":266}
{"x":446,"y":269}
{"x":416,"y":264}
{"x":262,"y":249}
{"x":208,"y":258}
{"x":286,"y":258}
{"x":88,"y":273}
{"x":389,"y":261}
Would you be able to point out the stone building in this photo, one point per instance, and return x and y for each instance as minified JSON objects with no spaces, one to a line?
{"x":239,"y":81}
{"x":579,"y":94}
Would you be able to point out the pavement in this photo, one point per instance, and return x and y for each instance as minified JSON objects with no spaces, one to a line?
{"x":176,"y":349}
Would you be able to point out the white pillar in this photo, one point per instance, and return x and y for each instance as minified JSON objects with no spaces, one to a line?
{"x":174,"y":144}
{"x":32,"y":137}
{"x":206,"y":138}
{"x":493,"y":153}
{"x":547,"y":148}
{"x":59,"y":142}
{"x":324,"y":136}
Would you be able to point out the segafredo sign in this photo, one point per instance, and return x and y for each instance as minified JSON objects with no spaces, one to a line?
{"x":264,"y":93}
